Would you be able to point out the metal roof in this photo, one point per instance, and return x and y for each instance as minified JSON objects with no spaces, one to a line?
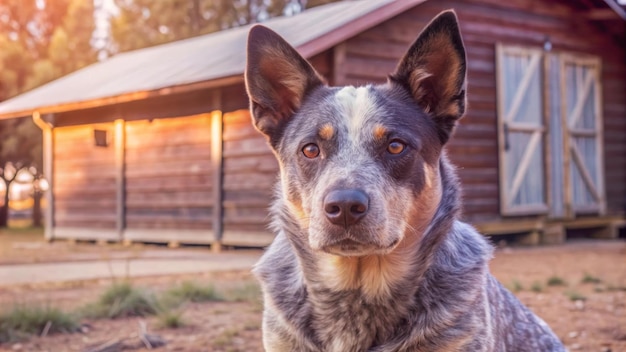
{"x":156,"y":70}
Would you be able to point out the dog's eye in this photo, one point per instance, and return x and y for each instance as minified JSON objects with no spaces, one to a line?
{"x":311,"y":150}
{"x":396,"y":147}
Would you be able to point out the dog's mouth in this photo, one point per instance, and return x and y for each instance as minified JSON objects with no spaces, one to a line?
{"x":351,"y":248}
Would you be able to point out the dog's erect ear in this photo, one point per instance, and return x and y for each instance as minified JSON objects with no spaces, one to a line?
{"x":433,"y":71}
{"x":277,"y":80}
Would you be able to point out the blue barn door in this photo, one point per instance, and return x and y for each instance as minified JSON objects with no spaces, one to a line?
{"x":581,"y":121}
{"x":521,"y":131}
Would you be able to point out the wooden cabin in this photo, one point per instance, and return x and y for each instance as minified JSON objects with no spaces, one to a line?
{"x":156,"y":145}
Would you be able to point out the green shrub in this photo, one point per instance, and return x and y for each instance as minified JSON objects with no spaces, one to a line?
{"x":247,"y":292}
{"x":575,"y":296}
{"x":537,"y":287}
{"x":590,"y":279}
{"x":516,"y":286}
{"x":172,"y":319}
{"x":556,"y":281}
{"x":192,"y":292}
{"x":122,"y":300}
{"x":21,"y":321}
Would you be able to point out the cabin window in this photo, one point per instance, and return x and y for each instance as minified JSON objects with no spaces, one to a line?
{"x":550,"y":133}
{"x":101,"y":138}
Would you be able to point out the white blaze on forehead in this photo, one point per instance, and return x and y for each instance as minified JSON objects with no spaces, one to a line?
{"x":356,"y":105}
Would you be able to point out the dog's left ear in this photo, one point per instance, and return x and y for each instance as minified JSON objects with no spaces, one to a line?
{"x":433,"y":71}
{"x":277,"y":80}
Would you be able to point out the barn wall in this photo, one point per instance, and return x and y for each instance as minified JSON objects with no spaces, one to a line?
{"x":168,"y":173}
{"x":84,"y":179}
{"x":371,"y":55}
{"x":250,"y":171}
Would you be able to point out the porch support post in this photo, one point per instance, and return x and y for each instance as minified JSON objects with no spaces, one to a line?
{"x":48,"y":168}
{"x":120,"y":180}
{"x":217,"y":170}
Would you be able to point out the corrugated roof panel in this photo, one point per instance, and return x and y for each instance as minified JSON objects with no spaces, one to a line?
{"x":204,"y":58}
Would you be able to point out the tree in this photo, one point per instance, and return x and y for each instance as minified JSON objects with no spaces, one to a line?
{"x":69,"y":46}
{"x":20,"y":149}
{"x":143,"y":23}
{"x":39,"y":42}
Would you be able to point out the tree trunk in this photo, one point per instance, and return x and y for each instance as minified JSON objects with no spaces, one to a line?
{"x":37,"y":208}
{"x":195,"y":17}
{"x":4,"y":210}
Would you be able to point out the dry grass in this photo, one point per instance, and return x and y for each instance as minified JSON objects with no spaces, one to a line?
{"x":556,"y":281}
{"x":122,"y":300}
{"x":193,"y":292}
{"x":21,"y":321}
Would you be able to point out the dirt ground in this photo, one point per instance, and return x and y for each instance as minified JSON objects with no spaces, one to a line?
{"x":596,"y":322}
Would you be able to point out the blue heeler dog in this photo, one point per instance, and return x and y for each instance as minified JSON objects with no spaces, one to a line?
{"x":369,"y":253}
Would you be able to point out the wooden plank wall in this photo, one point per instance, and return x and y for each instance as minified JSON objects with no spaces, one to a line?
{"x":168,"y":173}
{"x":250,"y":168}
{"x":250,"y":171}
{"x":84,"y":178}
{"x":372,"y":54}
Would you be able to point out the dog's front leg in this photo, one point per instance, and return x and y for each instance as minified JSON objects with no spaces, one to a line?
{"x":278,"y":336}
{"x":275,"y":335}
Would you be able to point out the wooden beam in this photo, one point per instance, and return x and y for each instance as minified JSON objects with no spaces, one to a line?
{"x":599,"y":120}
{"x":217,"y":169}
{"x":501,"y":112}
{"x":48,"y":163}
{"x":582,"y":168}
{"x":523,"y":86}
{"x":568,"y":203}
{"x":509,"y":226}
{"x":583,"y":132}
{"x":120,"y":179}
{"x":339,"y":60}
{"x":247,"y":238}
{"x":581,"y":98}
{"x":525,"y":127}
{"x":180,"y":236}
{"x":617,"y":8}
{"x":547,"y":148}
{"x":601,"y":15}
{"x":128,"y":97}
{"x":523,"y":166}
{"x":84,"y":233}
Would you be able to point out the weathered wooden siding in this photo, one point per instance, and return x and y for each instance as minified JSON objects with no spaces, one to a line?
{"x":372,"y":54}
{"x":250,"y":168}
{"x":84,"y":178}
{"x":168,"y":173}
{"x":250,"y":171}
{"x":168,"y":178}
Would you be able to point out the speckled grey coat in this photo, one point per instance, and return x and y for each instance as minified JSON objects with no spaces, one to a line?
{"x":408,"y":275}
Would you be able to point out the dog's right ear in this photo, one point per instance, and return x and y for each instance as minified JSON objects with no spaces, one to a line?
{"x":277,"y":80}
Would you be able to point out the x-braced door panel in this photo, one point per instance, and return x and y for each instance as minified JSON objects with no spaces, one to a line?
{"x":581,"y":118}
{"x":521,"y":131}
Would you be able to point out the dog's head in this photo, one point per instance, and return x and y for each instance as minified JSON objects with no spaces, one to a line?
{"x":359,"y":165}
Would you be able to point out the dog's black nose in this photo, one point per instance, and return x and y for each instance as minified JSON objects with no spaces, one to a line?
{"x":346,"y":207}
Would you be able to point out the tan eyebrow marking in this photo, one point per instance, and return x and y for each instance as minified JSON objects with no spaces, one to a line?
{"x":379,"y":132}
{"x":326,"y":132}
